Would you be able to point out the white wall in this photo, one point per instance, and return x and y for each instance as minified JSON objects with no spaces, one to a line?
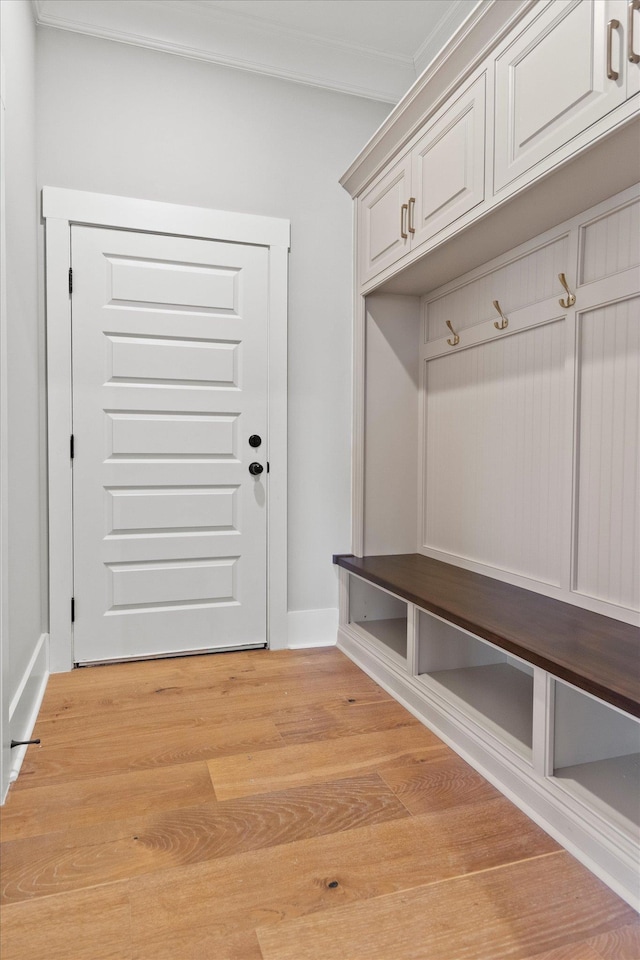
{"x":119,"y":119}
{"x":23,"y":672}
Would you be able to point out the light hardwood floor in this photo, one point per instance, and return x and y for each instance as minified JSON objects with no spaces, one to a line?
{"x":275,"y":806}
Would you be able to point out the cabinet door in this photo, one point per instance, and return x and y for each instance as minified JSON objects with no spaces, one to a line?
{"x":552,"y":83}
{"x":447,"y":165}
{"x":382,"y":222}
{"x":630,"y":16}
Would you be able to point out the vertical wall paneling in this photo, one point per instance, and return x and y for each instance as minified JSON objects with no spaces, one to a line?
{"x":610,"y":243}
{"x":494,"y":425}
{"x":607,"y":563}
{"x":567,"y":486}
{"x":529,"y":437}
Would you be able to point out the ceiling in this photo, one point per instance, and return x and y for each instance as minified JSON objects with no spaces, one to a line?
{"x":368,"y":48}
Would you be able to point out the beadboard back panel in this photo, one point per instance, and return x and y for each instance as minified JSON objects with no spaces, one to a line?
{"x":607,"y":563}
{"x":519,"y":283}
{"x":610,"y":243}
{"x":494,"y":423}
{"x":530,"y":433}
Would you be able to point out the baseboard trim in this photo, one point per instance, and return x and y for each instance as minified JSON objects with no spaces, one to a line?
{"x":312,"y":628}
{"x":26,"y":703}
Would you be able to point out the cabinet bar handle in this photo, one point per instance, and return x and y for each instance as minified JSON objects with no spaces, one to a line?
{"x":633,"y":57}
{"x":412,"y":206}
{"x":611,"y":26}
{"x":403,"y":233}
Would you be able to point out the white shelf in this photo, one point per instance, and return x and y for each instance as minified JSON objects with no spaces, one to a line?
{"x":389,"y":636}
{"x":614,"y":783}
{"x":498,"y":694}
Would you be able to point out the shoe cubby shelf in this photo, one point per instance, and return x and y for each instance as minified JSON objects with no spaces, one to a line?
{"x":543,"y":697}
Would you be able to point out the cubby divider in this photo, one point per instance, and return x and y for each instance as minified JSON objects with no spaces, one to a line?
{"x":597,"y":755}
{"x":381,"y":616}
{"x":479,"y":678}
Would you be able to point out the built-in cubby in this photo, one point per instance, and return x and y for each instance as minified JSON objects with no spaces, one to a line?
{"x":540,"y":695}
{"x":597,"y":755}
{"x":480,"y":679}
{"x":380,"y":617}
{"x":495,"y":419}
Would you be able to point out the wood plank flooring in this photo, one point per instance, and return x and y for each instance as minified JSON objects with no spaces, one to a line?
{"x":275,"y":806}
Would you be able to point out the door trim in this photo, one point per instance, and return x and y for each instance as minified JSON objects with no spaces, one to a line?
{"x":63,"y":208}
{"x":5,"y":750}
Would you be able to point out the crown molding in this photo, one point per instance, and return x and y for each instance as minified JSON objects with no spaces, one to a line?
{"x":442,"y":33}
{"x":270,"y":27}
{"x":480,"y":33}
{"x":188,"y":29}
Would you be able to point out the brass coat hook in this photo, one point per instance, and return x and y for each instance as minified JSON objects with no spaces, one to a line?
{"x":504,"y":321}
{"x":569,"y":302}
{"x":456,"y":338}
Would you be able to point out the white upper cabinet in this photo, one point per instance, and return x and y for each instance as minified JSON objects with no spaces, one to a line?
{"x":537,"y":88}
{"x":439,"y":180}
{"x":632,"y":46}
{"x":563,"y":72}
{"x":383,"y":220}
{"x":447,"y":166}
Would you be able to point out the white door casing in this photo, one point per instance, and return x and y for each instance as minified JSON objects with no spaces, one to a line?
{"x":161,"y":224}
{"x":5,"y":735}
{"x":169,"y":339}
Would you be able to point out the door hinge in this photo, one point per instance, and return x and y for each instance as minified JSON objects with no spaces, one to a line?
{"x":72,"y":446}
{"x":70,"y":280}
{"x":73,"y":609}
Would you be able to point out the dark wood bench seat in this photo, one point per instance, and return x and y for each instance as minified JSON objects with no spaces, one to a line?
{"x":591,"y":651}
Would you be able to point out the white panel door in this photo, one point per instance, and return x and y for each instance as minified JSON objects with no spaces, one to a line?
{"x":169,"y":341}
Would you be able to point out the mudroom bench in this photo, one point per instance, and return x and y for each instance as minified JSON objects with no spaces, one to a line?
{"x":539,"y":695}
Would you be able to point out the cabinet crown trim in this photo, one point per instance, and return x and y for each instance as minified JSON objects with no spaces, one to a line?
{"x":481,"y":32}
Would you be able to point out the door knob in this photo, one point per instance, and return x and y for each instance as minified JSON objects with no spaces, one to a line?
{"x":255,"y":469}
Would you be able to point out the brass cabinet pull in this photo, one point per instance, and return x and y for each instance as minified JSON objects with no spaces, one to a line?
{"x":632,"y":56}
{"x":570,"y":299}
{"x":611,"y":26}
{"x":412,"y":206}
{"x":456,"y":338}
{"x":403,"y":233}
{"x":504,"y":321}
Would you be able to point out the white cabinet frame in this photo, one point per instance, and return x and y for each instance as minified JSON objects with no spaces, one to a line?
{"x":61,"y":208}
